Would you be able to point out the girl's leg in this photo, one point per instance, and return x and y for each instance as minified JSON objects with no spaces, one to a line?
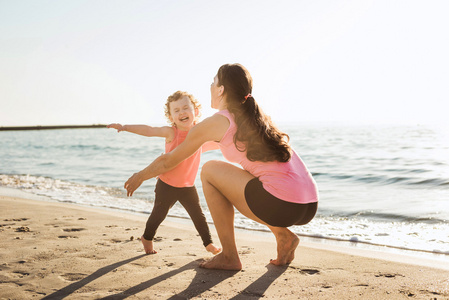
{"x":224,"y":187}
{"x":162,"y":203}
{"x":191,"y":202}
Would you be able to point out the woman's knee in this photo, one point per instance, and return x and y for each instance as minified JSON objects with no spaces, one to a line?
{"x":209,"y":168}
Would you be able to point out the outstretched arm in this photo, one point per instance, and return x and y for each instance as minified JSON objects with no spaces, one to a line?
{"x":211,"y":129}
{"x":145,"y":130}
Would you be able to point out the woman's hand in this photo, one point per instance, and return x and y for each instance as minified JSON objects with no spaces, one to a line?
{"x":133,"y":184}
{"x":117,"y":126}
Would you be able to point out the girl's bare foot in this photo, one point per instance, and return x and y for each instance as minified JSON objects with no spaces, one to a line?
{"x":148,"y":246}
{"x":220,"y":262}
{"x":287,"y":242}
{"x":213,"y":249}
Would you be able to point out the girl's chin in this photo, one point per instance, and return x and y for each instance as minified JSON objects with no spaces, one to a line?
{"x":184,"y":124}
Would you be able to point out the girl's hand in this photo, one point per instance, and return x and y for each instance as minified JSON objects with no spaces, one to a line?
{"x":117,"y":126}
{"x":133,"y":184}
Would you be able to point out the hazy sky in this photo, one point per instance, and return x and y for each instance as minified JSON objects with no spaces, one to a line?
{"x":85,"y":62}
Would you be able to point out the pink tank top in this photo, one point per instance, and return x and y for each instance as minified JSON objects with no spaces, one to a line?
{"x":289,"y":181}
{"x":184,"y":174}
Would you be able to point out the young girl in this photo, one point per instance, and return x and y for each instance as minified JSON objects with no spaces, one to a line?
{"x":182,"y":110}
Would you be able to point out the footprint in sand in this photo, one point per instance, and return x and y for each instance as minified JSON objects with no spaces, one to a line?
{"x":306,"y":271}
{"x":103,"y":244}
{"x":388,"y":275}
{"x":21,"y":274}
{"x":73,"y":276}
{"x":73,"y":229}
{"x":309,"y":271}
{"x":23,"y":229}
{"x":247,"y":250}
{"x":67,"y":237}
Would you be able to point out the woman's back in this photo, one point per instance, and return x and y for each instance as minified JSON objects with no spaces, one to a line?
{"x":289,"y":181}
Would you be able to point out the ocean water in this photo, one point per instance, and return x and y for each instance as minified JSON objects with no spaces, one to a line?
{"x":379,"y":185}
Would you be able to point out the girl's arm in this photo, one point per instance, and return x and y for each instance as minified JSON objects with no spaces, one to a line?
{"x":145,"y":130}
{"x":211,"y":129}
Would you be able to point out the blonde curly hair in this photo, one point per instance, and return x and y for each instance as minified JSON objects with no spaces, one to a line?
{"x":175,"y":97}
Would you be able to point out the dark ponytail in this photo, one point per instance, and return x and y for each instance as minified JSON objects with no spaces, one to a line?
{"x":255,"y":133}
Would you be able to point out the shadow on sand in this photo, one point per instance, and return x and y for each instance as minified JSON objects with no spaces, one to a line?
{"x":71,"y":288}
{"x":204,"y":280}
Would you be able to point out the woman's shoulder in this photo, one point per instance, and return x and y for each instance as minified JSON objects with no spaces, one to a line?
{"x":213,"y":127}
{"x":224,"y":113}
{"x":220,"y":117}
{"x":226,"y":117}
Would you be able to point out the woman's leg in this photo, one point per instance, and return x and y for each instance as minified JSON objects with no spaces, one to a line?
{"x":224,"y":187}
{"x":287,"y":242}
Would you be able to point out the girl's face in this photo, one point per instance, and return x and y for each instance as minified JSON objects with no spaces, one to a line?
{"x":183,"y":113}
{"x":216,"y":95}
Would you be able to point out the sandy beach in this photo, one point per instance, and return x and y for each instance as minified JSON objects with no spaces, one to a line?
{"x":55,"y":250}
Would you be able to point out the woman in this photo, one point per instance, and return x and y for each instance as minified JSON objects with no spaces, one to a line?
{"x":274,"y":187}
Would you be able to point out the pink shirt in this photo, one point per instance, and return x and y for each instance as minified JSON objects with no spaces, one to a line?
{"x":184,"y":174}
{"x":289,"y":181}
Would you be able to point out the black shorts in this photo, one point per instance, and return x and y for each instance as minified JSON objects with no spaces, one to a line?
{"x":274,"y":211}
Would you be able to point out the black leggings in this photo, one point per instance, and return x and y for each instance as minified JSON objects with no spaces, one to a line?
{"x":274,"y":211}
{"x":166,"y":197}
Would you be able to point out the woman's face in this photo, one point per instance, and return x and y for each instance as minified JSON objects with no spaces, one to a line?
{"x":215,"y":94}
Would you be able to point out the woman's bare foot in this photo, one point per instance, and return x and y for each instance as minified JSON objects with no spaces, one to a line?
{"x":148,"y":246}
{"x":287,"y":242}
{"x":220,"y":262}
{"x":213,"y":249}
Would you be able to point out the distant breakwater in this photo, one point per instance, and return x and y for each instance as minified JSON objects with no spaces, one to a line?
{"x":12,"y":128}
